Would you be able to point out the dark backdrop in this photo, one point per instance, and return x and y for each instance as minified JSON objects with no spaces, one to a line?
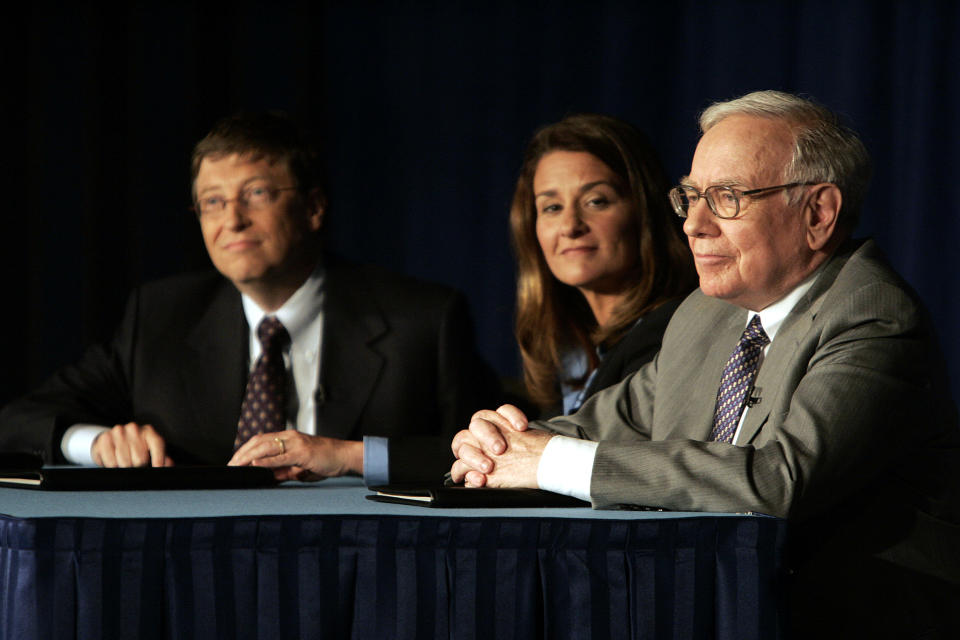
{"x":425,"y":107}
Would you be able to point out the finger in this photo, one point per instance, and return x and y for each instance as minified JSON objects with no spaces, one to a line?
{"x":309,"y":476}
{"x":137,"y":448}
{"x":475,"y":459}
{"x":168,"y":461}
{"x":121,"y":446}
{"x":462,"y":437}
{"x":274,"y":451}
{"x":457,"y":472}
{"x":475,"y":479}
{"x":260,"y":446}
{"x":282,"y":474}
{"x":243,"y":450}
{"x":516,"y":417}
{"x":241,"y":455}
{"x":488,"y":434}
{"x":493,"y":417}
{"x":156,"y":446}
{"x":102,"y":450}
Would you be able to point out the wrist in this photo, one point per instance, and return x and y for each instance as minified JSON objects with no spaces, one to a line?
{"x":351,"y":457}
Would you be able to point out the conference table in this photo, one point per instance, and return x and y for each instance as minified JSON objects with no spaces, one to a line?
{"x":319,"y":560}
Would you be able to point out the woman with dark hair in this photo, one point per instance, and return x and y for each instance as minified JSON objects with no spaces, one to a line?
{"x":600,"y":258}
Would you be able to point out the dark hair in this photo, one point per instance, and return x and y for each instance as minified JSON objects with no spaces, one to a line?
{"x":272,"y":135}
{"x":552,"y":316}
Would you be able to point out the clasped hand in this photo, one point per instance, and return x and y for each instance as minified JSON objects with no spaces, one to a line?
{"x":498,"y":450}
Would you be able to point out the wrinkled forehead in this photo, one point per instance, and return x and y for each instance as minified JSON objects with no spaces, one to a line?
{"x":740,"y":150}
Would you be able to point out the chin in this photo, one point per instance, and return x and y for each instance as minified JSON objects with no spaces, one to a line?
{"x":243,"y":276}
{"x":714,"y":290}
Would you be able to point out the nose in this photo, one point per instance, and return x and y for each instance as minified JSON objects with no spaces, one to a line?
{"x":700,"y":220}
{"x":572,"y":224}
{"x":235,"y":215}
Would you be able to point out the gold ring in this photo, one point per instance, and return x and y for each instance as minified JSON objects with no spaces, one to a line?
{"x":283,"y":447}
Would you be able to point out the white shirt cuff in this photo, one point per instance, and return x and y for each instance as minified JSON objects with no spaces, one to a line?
{"x":77,"y":441}
{"x":566,"y":466}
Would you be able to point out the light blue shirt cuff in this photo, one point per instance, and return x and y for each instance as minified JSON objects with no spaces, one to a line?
{"x":376,"y":461}
{"x":566,"y":466}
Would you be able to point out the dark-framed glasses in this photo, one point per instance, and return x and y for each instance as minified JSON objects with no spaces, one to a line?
{"x":723,"y":201}
{"x":253,"y":197}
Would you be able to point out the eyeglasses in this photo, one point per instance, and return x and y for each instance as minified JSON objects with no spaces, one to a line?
{"x":254,"y":197}
{"x":724,"y":202}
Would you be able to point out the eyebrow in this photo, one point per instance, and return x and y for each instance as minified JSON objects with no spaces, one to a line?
{"x":590,"y":185}
{"x":731,"y":182}
{"x":243,"y":185}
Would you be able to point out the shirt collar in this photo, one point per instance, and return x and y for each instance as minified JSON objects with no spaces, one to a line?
{"x":299,"y":309}
{"x":773,"y":316}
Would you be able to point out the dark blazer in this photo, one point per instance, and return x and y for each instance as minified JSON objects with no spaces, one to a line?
{"x":398,"y":359}
{"x":635,"y":349}
{"x":855,"y":440}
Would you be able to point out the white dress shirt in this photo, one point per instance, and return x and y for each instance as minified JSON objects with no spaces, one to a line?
{"x":566,"y":465}
{"x":302,"y":316}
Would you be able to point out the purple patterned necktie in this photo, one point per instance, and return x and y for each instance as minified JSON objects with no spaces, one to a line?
{"x":737,"y":381}
{"x":265,"y":402}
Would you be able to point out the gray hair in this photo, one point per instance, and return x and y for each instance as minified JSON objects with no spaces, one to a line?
{"x":824,"y":150}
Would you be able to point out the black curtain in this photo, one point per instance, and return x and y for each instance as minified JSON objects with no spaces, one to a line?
{"x":425,"y":108}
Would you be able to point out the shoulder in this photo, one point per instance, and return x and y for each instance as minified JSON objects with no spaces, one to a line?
{"x":638,"y":347}
{"x":646,"y":333}
{"x":862,"y":288}
{"x":199,"y":283}
{"x":699,"y":311}
{"x":184,"y":299}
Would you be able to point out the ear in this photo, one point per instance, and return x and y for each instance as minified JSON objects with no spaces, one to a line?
{"x":821,"y":214}
{"x":316,"y":207}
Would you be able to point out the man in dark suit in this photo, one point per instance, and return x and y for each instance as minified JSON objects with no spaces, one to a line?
{"x":363,"y":351}
{"x":802,"y":380}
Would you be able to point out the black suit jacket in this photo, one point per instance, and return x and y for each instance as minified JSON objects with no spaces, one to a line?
{"x":635,"y":349}
{"x":397,"y":359}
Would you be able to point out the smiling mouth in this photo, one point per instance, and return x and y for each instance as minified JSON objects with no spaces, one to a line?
{"x":240,"y":244}
{"x":709,"y":258}
{"x":577,"y":250}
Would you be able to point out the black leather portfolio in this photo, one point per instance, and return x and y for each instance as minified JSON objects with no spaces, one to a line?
{"x":138,"y":479}
{"x":458,"y":496}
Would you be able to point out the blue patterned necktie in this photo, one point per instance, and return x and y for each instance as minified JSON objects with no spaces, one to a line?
{"x":265,"y":402}
{"x":737,"y":381}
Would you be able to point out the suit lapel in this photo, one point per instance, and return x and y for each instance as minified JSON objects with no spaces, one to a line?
{"x":726,"y":334}
{"x":780,"y":363}
{"x":691,"y":364}
{"x":350,"y":364}
{"x":214,"y":371}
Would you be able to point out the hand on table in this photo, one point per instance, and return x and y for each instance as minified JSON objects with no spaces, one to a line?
{"x":498,"y":450}
{"x":130,"y":445}
{"x":297,"y":456}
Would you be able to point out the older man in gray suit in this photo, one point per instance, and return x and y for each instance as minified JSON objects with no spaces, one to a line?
{"x":801,"y":380}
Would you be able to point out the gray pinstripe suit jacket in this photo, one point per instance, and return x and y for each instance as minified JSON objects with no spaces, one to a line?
{"x":855,"y":437}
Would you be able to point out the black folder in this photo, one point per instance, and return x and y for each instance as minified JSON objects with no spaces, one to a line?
{"x":446,"y":497}
{"x":136,"y":479}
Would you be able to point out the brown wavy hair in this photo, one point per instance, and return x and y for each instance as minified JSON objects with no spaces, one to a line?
{"x":553,"y":317}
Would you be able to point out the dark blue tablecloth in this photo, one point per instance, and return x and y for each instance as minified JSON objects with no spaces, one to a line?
{"x":323,"y":562}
